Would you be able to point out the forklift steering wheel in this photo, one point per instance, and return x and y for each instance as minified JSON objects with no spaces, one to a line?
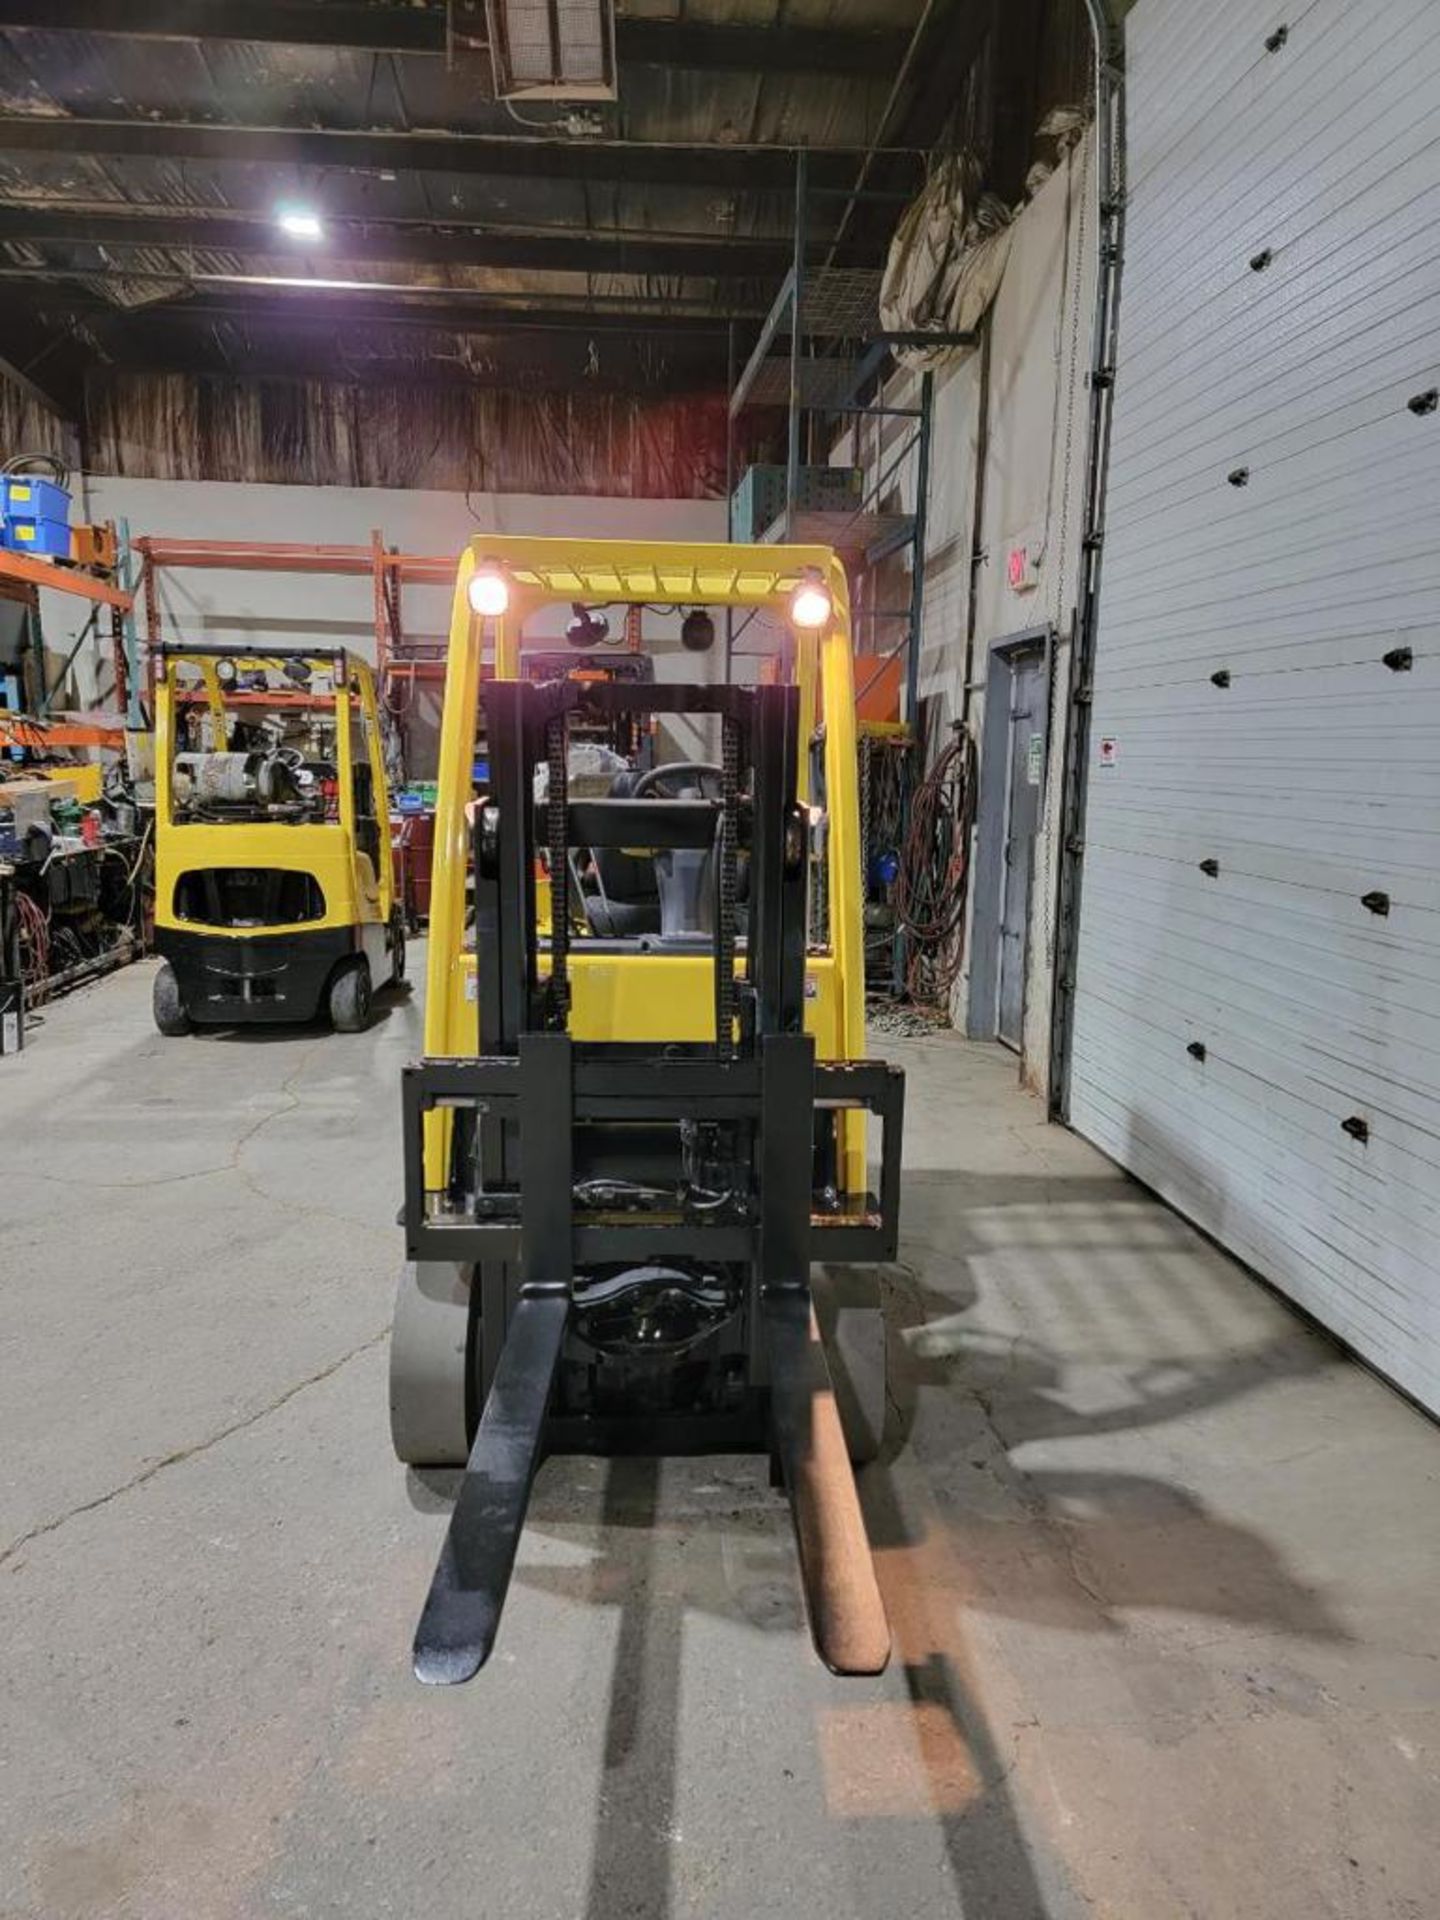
{"x":666,"y":781}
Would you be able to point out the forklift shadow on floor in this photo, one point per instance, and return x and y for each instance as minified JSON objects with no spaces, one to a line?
{"x":671,"y":1538}
{"x":945,"y":1760}
{"x":293,"y":1032}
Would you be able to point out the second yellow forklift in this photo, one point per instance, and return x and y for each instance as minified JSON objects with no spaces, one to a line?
{"x":274,"y":897}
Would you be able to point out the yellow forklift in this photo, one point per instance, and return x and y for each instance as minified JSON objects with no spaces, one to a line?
{"x":274,"y":895}
{"x":634,"y":1131}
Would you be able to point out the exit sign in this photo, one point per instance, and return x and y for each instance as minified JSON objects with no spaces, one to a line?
{"x":1022,"y":568}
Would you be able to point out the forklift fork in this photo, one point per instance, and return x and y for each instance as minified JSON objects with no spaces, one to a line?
{"x":842,"y":1595}
{"x":457,"y":1629}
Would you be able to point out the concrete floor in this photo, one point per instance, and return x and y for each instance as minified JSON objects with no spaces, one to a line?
{"x":1162,"y":1566}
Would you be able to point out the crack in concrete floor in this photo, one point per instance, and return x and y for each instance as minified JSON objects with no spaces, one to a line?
{"x":231,"y":1164}
{"x":182,"y":1454}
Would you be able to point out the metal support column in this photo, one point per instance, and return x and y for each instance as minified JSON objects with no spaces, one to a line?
{"x":129,"y":635}
{"x":911,"y":714}
{"x":797,"y":329}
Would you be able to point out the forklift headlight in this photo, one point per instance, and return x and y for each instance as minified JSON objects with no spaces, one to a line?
{"x":810,"y":604}
{"x":489,"y":590}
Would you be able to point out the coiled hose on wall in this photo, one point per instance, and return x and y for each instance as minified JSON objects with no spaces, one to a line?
{"x":930,"y":887}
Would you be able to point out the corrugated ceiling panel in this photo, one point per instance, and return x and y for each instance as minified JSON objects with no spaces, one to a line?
{"x":1261,"y":1042}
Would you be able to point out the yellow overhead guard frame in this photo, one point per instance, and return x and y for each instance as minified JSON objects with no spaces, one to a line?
{"x":650,"y":996}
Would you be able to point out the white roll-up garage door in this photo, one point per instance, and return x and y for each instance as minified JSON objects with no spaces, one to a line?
{"x":1257,"y":1012}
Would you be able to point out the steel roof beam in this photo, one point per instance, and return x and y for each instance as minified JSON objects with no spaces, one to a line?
{"x":407,"y":29}
{"x":511,"y":359}
{"x":561,"y":374}
{"x":575,"y":251}
{"x":745,"y":169}
{"x":831,"y":51}
{"x":399,"y":28}
{"x":291,"y":308}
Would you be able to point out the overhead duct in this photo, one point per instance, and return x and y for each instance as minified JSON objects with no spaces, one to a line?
{"x":553,"y":49}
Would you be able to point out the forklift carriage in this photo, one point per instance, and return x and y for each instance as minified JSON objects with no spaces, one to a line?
{"x":622,"y":1156}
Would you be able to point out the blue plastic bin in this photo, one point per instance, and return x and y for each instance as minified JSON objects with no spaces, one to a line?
{"x":50,"y":538}
{"x":25,"y":497}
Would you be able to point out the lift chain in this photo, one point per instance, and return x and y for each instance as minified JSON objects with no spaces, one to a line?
{"x":558,"y":834}
{"x":725,"y":930}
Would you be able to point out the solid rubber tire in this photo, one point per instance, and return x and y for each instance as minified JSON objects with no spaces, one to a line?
{"x":167,"y":1005}
{"x":351,"y":997}
{"x":429,"y":1343}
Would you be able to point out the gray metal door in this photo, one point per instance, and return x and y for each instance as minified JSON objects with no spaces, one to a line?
{"x":1022,"y":817}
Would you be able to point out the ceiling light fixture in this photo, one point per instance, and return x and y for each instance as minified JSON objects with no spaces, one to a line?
{"x":300,"y":223}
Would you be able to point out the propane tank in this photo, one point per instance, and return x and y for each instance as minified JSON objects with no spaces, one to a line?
{"x":233,"y":780}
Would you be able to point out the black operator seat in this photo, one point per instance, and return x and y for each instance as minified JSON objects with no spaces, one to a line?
{"x":627,"y":897}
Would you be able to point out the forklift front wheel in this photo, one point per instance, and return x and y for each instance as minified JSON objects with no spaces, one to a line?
{"x":169,"y":1009}
{"x":430,"y":1345}
{"x":397,"y":949}
{"x":350,"y":997}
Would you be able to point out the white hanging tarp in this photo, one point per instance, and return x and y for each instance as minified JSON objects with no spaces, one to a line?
{"x":952,"y":246}
{"x":946,"y":263}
